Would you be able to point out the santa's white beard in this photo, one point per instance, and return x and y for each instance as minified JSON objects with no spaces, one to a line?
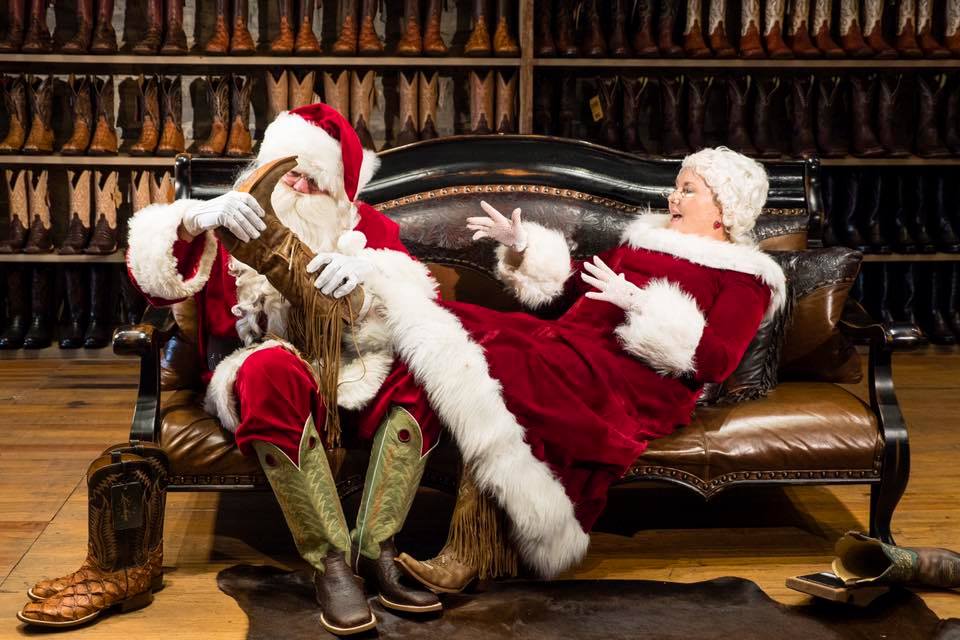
{"x":318,"y":220}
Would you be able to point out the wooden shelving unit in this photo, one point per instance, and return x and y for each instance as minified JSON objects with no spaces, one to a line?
{"x":56,"y":159}
{"x":114,"y":258}
{"x":911,"y":257}
{"x":738,"y":64}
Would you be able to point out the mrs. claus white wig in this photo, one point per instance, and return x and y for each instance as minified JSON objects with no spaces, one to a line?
{"x":740,"y":185}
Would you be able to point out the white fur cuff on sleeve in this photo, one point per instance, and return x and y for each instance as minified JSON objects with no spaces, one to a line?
{"x":152,"y":234}
{"x":540,"y":276}
{"x":665,"y":329}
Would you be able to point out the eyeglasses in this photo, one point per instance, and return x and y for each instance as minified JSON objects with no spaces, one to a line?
{"x":669,"y":193}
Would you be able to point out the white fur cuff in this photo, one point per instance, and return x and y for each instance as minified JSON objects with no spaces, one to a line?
{"x":540,"y":276}
{"x":665,"y":329}
{"x":152,"y":234}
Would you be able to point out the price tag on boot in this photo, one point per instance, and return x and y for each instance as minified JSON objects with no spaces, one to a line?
{"x":127,"y":503}
{"x":596,"y":108}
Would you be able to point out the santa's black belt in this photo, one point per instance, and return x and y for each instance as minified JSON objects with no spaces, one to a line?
{"x":219,"y":348}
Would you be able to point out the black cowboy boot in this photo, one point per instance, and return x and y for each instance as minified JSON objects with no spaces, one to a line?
{"x":18,"y":307}
{"x":77,"y":311}
{"x":100,"y":327}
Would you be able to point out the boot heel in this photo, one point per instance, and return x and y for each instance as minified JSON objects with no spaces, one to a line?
{"x":156,"y":583}
{"x":138,"y":601}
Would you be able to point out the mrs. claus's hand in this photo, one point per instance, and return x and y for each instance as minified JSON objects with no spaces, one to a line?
{"x":610,"y":287}
{"x":506,"y":231}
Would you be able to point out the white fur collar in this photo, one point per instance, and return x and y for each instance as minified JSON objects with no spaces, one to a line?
{"x":649,"y":231}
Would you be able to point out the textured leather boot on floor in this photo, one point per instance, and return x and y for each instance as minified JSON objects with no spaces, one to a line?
{"x":40,"y":239}
{"x":346,"y":44}
{"x":773,"y":30}
{"x":13,"y":40}
{"x":104,"y":140}
{"x":361,"y":105}
{"x":698,"y":90}
{"x":673,"y":143}
{"x":81,"y":107}
{"x":282,"y":44}
{"x":666,"y":22}
{"x":219,"y":42}
{"x":37,"y":38}
{"x":889,"y":127}
{"x":277,"y":93}
{"x":18,"y":306}
{"x":750,"y":46}
{"x":149,"y":103}
{"x":873,"y":29}
{"x":428,"y":103}
{"x":738,"y":90}
{"x":40,"y":139}
{"x":408,"y":108}
{"x":907,"y":44}
{"x":565,"y":33}
{"x":928,"y":43}
{"x":863,"y":141}
{"x":78,"y":229}
{"x":219,"y":93}
{"x":828,"y":100}
{"x":543,"y":32}
{"x":822,"y":19}
{"x":368,"y":42}
{"x":930,"y":90}
{"x":149,"y":43}
{"x":634,"y":90}
{"x":71,"y":337}
{"x":118,"y":546}
{"x":300,"y":92}
{"x":433,"y":44}
{"x":40,"y":332}
{"x":862,"y":560}
{"x":336,"y":90}
{"x":693,"y":43}
{"x":504,"y":42}
{"x":100,"y":325}
{"x":171,"y":137}
{"x":481,"y":102}
{"x":104,"y":36}
{"x":175,"y":43}
{"x":478,"y":44}
{"x":506,"y":102}
{"x":240,"y":142}
{"x":80,"y":42}
{"x":241,"y":42}
{"x":107,"y":198}
{"x":801,"y":121}
{"x":764,"y":138}
{"x":799,"y":33}
{"x":17,"y":106}
{"x":717,"y":25}
{"x":411,"y":43}
{"x":15,"y":181}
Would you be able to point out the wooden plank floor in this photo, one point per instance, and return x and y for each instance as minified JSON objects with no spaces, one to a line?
{"x":57,"y":414}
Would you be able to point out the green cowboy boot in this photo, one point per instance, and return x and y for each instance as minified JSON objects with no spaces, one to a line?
{"x":308,"y":498}
{"x":393,"y":476}
{"x":862,"y":560}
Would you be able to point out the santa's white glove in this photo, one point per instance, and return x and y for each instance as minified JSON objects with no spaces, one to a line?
{"x":239,"y":212}
{"x":341,"y":274}
{"x":495,"y":225}
{"x":612,"y":288}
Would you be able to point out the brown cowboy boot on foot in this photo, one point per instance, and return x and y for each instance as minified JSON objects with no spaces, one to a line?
{"x":175,"y":43}
{"x":149,"y":117}
{"x":773,"y":30}
{"x":340,"y":596}
{"x":336,"y":90}
{"x":543,"y":35}
{"x":506,"y":100}
{"x":277,"y":92}
{"x":433,"y":44}
{"x":822,"y":16}
{"x":504,"y":43}
{"x":78,"y":231}
{"x":37,"y":39}
{"x":346,"y":44}
{"x":107,"y":198}
{"x":12,"y":42}
{"x":565,"y":35}
{"x":118,"y":547}
{"x":16,"y":183}
{"x":369,"y":42}
{"x":361,"y":105}
{"x":171,"y":138}
{"x":300,"y":92}
{"x":429,"y":98}
{"x":862,"y":561}
{"x":408,"y":109}
{"x":149,"y":43}
{"x":40,"y":239}
{"x":17,"y":106}
{"x":851,"y":36}
{"x":306,"y":40}
{"x":104,"y":140}
{"x":239,"y":142}
{"x":928,"y":43}
{"x":40,"y":139}
{"x":82,"y":108}
{"x":481,"y":102}
{"x":410,"y":43}
{"x":219,"y":42}
{"x":873,"y":29}
{"x":717,"y":26}
{"x":750,"y":46}
{"x":479,"y":42}
{"x":693,"y":42}
{"x":799,"y":34}
{"x":104,"y":37}
{"x":241,"y":42}
{"x":216,"y":142}
{"x":282,"y":44}
{"x":80,"y":42}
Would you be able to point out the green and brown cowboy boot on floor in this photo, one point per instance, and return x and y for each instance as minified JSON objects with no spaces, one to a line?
{"x":393,"y":476}
{"x":864,"y":561}
{"x":311,"y":506}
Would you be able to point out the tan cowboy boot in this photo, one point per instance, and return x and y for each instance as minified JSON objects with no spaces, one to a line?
{"x":429,"y":101}
{"x":864,"y":561}
{"x":104,"y":140}
{"x":40,"y":139}
{"x":141,"y":191}
{"x":306,"y":41}
{"x":346,"y":44}
{"x":300,"y":92}
{"x":149,"y":115}
{"x":78,"y":230}
{"x":369,"y":42}
{"x":282,"y":44}
{"x":410,"y":43}
{"x":361,"y":105}
{"x":336,"y":91}
{"x":240,"y":142}
{"x":277,"y":92}
{"x":478,"y":44}
{"x":15,"y":180}
{"x":171,"y":138}
{"x":15,"y":101}
{"x":241,"y":42}
{"x":408,"y":109}
{"x":219,"y":42}
{"x":506,"y":103}
{"x":216,"y":142}
{"x":107,"y":198}
{"x":162,"y":189}
{"x":82,"y":107}
{"x":40,"y":239}
{"x":504,"y":43}
{"x":481,"y":102}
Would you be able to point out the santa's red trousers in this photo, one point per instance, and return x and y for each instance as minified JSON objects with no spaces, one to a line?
{"x":276,"y":392}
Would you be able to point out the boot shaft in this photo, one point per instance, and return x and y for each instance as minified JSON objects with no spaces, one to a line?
{"x":409,"y":103}
{"x":429,"y":102}
{"x":481,"y":102}
{"x":171,"y":97}
{"x":81,"y":106}
{"x":506,"y":114}
{"x":277,"y":94}
{"x":336,"y":91}
{"x":300,"y":92}
{"x":119,"y":490}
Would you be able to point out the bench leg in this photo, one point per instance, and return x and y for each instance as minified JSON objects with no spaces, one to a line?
{"x":885,"y":496}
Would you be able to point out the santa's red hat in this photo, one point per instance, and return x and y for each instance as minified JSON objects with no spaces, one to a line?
{"x":326,"y":147}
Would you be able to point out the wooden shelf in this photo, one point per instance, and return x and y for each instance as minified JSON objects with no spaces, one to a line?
{"x":113,"y":258}
{"x":911,"y":257}
{"x":740,"y":64}
{"x":852,"y":161}
{"x":120,"y":160}
{"x":14,"y":61}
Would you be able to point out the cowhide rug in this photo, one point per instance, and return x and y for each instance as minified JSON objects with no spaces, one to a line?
{"x":280,"y":604}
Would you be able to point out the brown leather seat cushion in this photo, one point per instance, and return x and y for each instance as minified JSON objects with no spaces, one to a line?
{"x":801,"y":430}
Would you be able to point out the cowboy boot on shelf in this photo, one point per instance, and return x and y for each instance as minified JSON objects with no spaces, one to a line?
{"x":872,"y":199}
{"x":506,"y":100}
{"x":241,"y":42}
{"x":104,"y":37}
{"x":665,"y":29}
{"x":149,"y":104}
{"x":40,"y":332}
{"x":336,"y":91}
{"x":608,"y":89}
{"x":822,"y":17}
{"x":140,"y":192}
{"x":433,"y":44}
{"x":40,"y":239}
{"x":763,"y":136}
{"x":428,"y":104}
{"x":565,"y":33}
{"x":368,"y":42}
{"x":40,"y":139}
{"x":162,"y":189}
{"x":306,"y":41}
{"x":698,"y":91}
{"x":15,"y":181}
{"x":149,"y":43}
{"x":673,"y":143}
{"x":300,"y":92}
{"x":283,"y":43}
{"x":863,"y":141}
{"x":37,"y":38}
{"x":277,"y":92}
{"x":889,"y":133}
{"x":17,"y":106}
{"x":798,"y":35}
{"x":543,"y":34}
{"x":951,"y":39}
{"x":928,"y":43}
{"x":219,"y":93}
{"x":953,"y":298}
{"x":930,"y":90}
{"x":693,"y":42}
{"x":717,"y":25}
{"x":104,"y":140}
{"x":951,"y":132}
{"x":504,"y":43}
{"x":916,"y":214}
{"x":175,"y":43}
{"x":937,"y":326}
{"x":346,"y":44}
{"x":80,"y":43}
{"x":738,"y":92}
{"x":592,"y":43}
{"x":71,"y":337}
{"x":873,"y":29}
{"x":773,"y":30}
{"x":219,"y":42}
{"x":239,"y":141}
{"x":644,"y":44}
{"x":544,"y":97}
{"x":18,"y":307}
{"x":393,"y":476}
{"x":906,"y":43}
{"x":408,"y":108}
{"x":846,"y":222}
{"x":123,"y":508}
{"x":828,"y":100}
{"x":750,"y":45}
{"x":801,"y":123}
{"x":828,"y":234}
{"x":134,"y":304}
{"x":107,"y":198}
{"x":411,"y":43}
{"x":567,"y":112}
{"x":78,"y":229}
{"x":12,"y":42}
{"x":944,"y":228}
{"x":481,"y":102}
{"x":100,"y":325}
{"x":851,"y":36}
{"x":899,"y":232}
{"x":478,"y":44}
{"x":633,"y":93}
{"x":82,"y":108}
{"x":361,"y":105}
{"x":171,"y":137}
